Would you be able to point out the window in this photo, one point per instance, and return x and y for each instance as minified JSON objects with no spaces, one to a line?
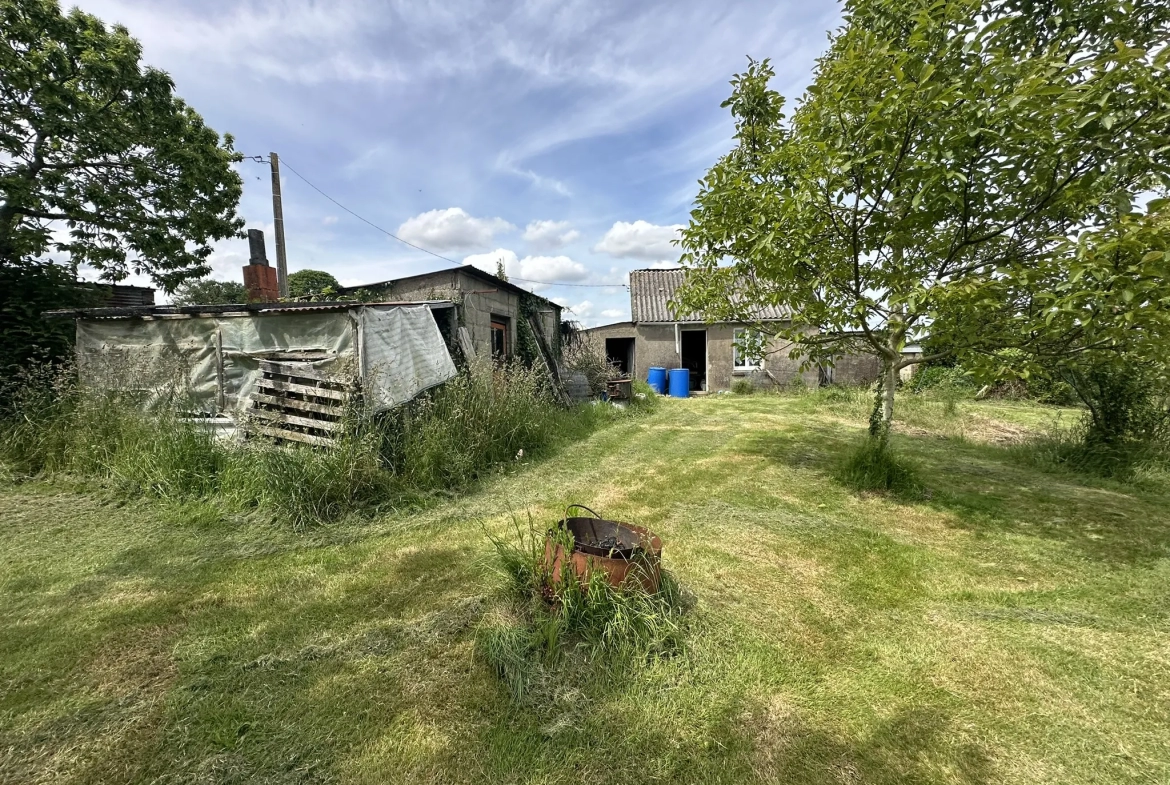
{"x":499,"y":337}
{"x":749,"y":350}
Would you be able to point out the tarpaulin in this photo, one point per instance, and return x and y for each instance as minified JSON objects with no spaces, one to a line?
{"x":395,"y":352}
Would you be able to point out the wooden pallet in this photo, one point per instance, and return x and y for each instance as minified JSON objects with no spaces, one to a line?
{"x":298,"y":403}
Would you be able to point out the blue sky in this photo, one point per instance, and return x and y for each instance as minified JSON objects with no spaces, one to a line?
{"x":565,"y":137}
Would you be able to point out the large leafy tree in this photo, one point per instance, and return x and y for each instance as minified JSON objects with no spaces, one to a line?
{"x":312,"y":284}
{"x":957,"y":167}
{"x":99,"y":160}
{"x":208,"y":291}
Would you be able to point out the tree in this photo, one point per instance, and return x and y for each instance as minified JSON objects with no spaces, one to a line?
{"x":208,"y":291}
{"x":943,"y":164}
{"x":100,"y":160}
{"x":312,"y":284}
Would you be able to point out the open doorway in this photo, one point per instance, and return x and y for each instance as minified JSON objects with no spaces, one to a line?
{"x":619,"y":352}
{"x":694,"y":357}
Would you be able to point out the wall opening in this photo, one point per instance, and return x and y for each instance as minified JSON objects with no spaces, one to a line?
{"x":694,"y":357}
{"x":619,"y":352}
{"x":500,"y":349}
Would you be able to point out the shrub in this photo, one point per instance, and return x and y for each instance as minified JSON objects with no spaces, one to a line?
{"x":743,"y":387}
{"x":1127,"y":422}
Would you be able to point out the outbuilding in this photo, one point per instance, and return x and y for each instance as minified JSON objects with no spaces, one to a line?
{"x":658,"y":336}
{"x":286,"y":369}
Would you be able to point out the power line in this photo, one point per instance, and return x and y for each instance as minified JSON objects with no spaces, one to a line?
{"x":262,"y":159}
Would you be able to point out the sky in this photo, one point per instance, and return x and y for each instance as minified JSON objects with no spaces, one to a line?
{"x":565,"y":138}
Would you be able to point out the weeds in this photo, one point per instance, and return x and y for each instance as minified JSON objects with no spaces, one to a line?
{"x":874,"y":467}
{"x":477,"y":423}
{"x":548,"y":622}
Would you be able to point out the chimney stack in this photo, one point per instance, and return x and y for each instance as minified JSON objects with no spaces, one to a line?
{"x":259,"y":279}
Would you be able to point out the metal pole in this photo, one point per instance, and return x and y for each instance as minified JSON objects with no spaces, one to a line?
{"x":278,"y":224}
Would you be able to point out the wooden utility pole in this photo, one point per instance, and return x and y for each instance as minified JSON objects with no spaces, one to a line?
{"x":278,"y":224}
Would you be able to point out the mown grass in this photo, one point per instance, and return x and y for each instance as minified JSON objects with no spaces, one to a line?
{"x":1005,"y":625}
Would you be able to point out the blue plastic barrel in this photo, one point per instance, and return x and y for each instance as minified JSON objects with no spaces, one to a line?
{"x":680,"y":382}
{"x":656,"y":378}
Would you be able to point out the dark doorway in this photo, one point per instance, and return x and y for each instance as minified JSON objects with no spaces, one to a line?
{"x":694,"y":357}
{"x":619,"y":352}
{"x":500,"y":338}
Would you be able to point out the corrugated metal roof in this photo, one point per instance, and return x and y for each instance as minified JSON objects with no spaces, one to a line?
{"x":196,"y":311}
{"x":652,"y":290}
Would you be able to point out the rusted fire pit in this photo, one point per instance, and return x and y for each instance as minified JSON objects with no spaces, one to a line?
{"x":620,"y":550}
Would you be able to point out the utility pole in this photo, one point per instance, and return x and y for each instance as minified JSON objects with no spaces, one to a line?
{"x":278,"y":223}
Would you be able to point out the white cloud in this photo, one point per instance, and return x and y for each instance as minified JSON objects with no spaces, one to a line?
{"x":613,"y":313}
{"x":549,"y":235}
{"x":551,"y":269}
{"x":329,"y":220}
{"x":640,"y":240}
{"x":664,"y":265}
{"x":489,"y":261}
{"x":451,"y":230}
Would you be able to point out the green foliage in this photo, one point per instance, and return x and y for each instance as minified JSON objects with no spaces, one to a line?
{"x":474,"y":425}
{"x":874,"y":467}
{"x":26,"y":291}
{"x":938,"y":377}
{"x":743,"y":387}
{"x":920,"y":182}
{"x":90,"y":137}
{"x":312,"y":285}
{"x":590,"y":620}
{"x":1127,"y":424}
{"x":208,"y":291}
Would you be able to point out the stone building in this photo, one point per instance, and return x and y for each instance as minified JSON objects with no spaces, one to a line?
{"x":657,"y":336}
{"x":489,"y":307}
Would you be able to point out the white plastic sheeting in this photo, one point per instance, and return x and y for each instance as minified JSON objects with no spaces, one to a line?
{"x":402,"y":354}
{"x":398,"y":351}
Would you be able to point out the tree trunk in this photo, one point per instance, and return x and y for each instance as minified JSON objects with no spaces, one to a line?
{"x":889,"y":384}
{"x":883,"y":404}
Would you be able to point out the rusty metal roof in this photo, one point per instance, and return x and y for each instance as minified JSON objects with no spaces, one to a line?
{"x":239,"y":309}
{"x":652,"y":290}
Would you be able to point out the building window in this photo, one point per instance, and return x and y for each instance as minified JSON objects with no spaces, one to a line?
{"x":499,"y":337}
{"x":749,"y":350}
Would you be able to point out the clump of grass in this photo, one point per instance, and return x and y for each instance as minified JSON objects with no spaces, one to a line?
{"x":743,"y":387}
{"x":873,"y":466}
{"x":550,"y":621}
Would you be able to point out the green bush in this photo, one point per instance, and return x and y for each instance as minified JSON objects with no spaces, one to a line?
{"x":743,"y":387}
{"x":1127,"y":420}
{"x":936,"y":377}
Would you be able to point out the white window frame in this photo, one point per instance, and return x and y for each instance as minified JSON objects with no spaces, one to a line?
{"x":755,"y":364}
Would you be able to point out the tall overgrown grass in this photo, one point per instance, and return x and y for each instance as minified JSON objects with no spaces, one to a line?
{"x":446,"y":439}
{"x":547,"y":625}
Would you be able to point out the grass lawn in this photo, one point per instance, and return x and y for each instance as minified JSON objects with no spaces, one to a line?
{"x":1008,"y":626}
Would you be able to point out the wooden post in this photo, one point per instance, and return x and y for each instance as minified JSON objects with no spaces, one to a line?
{"x":278,"y":224}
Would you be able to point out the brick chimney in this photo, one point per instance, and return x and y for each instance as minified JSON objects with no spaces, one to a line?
{"x":259,"y":278}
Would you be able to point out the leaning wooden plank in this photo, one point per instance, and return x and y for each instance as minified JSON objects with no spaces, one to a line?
{"x":292,"y":436}
{"x":293,"y":403}
{"x":302,"y":389}
{"x":465,"y":343}
{"x":303,"y":370}
{"x":292,"y":419}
